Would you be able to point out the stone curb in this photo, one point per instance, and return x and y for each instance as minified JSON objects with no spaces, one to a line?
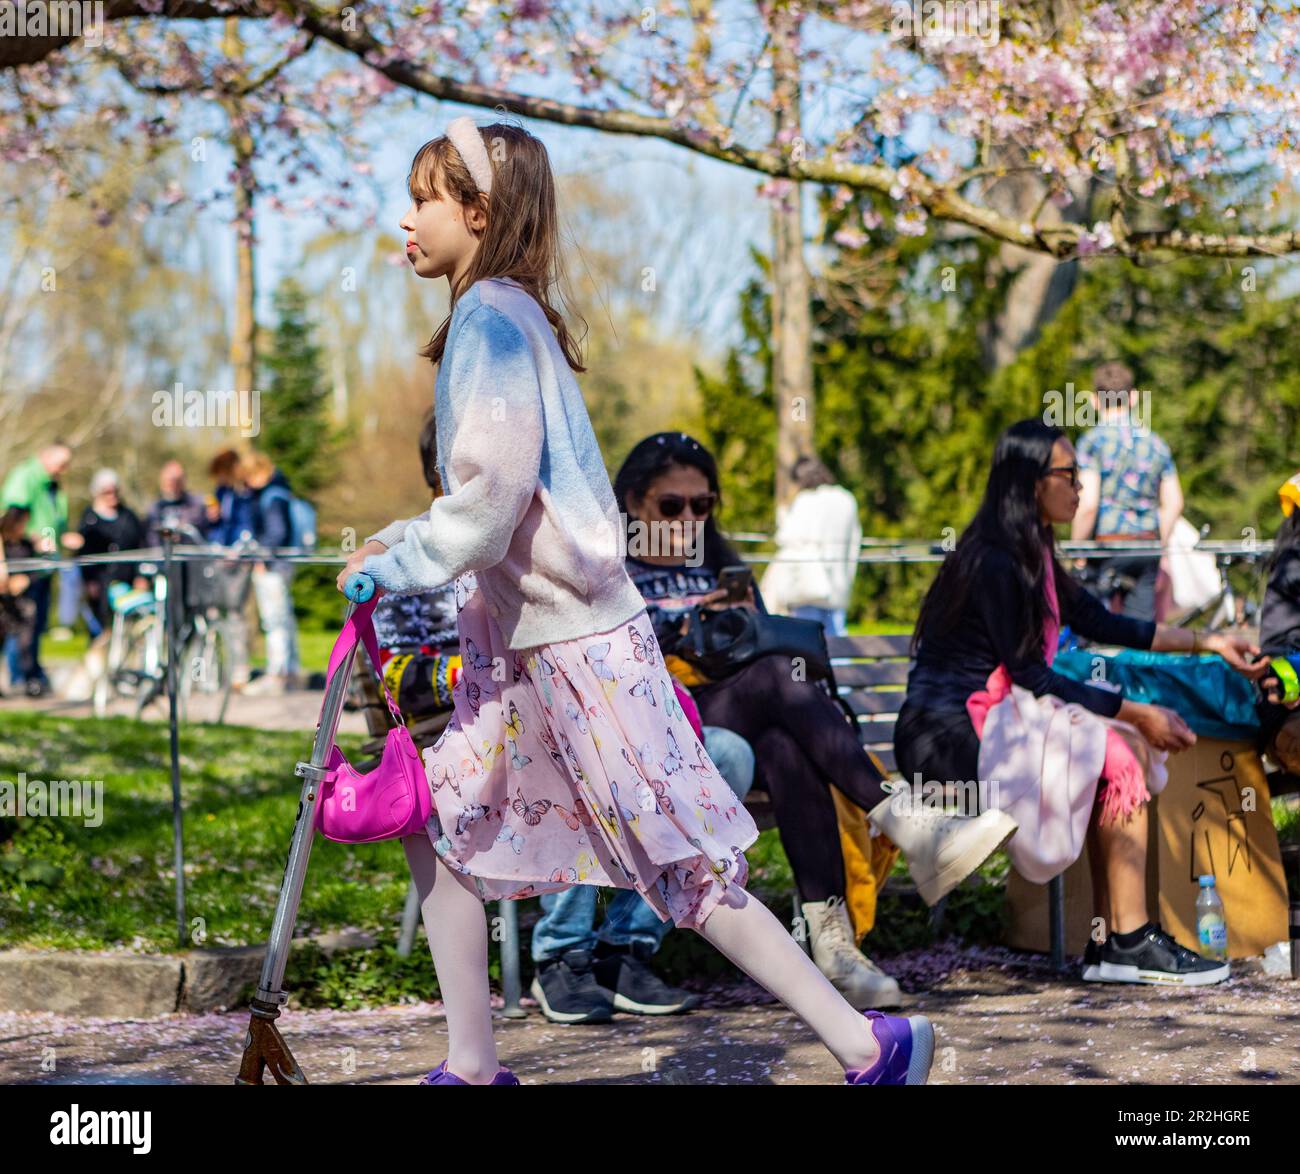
{"x":117,"y":984}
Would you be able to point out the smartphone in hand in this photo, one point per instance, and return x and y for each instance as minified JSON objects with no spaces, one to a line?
{"x":736,"y":582}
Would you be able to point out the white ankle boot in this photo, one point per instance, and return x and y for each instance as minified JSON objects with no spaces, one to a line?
{"x":851,"y":972}
{"x":941,"y":850}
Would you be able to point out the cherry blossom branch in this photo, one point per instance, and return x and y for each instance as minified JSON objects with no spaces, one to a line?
{"x":909,"y":187}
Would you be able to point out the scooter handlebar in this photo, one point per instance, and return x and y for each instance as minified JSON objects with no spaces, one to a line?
{"x":359,"y":587}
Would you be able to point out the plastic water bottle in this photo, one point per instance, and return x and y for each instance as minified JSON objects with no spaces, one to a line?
{"x":1211,"y":927}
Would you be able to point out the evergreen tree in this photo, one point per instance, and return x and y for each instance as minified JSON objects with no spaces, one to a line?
{"x":295,"y":427}
{"x":297,"y":435}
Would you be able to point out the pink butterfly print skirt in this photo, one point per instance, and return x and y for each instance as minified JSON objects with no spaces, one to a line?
{"x":573,"y":763}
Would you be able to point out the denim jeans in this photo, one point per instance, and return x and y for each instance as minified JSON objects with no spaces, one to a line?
{"x":732,"y":756}
{"x":275,"y":606}
{"x":69,"y":595}
{"x":833,"y":619}
{"x":568,"y":920}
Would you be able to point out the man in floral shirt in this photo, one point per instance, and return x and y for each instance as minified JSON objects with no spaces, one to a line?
{"x":1129,"y":488}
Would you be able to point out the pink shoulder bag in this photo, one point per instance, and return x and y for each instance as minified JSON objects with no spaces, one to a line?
{"x":394,"y":799}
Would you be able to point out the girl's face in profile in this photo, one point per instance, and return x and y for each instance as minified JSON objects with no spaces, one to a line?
{"x":441,"y":235}
{"x":1058,"y":490}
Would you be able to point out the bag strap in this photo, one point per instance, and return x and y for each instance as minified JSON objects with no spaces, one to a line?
{"x":360,"y":626}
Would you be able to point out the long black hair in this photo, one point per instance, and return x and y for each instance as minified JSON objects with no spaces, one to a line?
{"x":1008,"y":520}
{"x":651,"y":458}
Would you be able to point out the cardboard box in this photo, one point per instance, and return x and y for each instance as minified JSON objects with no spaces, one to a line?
{"x":1214,"y":816}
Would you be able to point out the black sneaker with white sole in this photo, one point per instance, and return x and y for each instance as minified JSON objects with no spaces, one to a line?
{"x":1092,"y":961}
{"x":568,"y":991}
{"x":624,"y":971}
{"x":1156,"y":958}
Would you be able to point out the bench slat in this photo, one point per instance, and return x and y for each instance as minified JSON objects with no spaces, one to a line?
{"x":871,"y":703}
{"x":873,"y":729}
{"x":868,"y":647}
{"x":865,"y":674}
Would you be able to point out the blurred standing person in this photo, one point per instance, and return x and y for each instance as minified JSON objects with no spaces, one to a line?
{"x":818,"y":538}
{"x":232,"y":515}
{"x":232,"y":508}
{"x":108,"y":525}
{"x":1130,"y":488}
{"x":175,"y":508}
{"x":175,"y":505}
{"x":35,"y":486}
{"x":273,"y":527}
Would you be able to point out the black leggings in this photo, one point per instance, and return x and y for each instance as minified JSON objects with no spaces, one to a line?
{"x":802,"y":745}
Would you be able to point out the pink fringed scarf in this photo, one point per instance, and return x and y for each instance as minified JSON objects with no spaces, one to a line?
{"x":1125,"y":788}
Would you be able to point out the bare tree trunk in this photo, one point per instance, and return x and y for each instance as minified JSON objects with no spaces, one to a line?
{"x":243,"y":341}
{"x":1040,"y":284}
{"x":792,"y":373}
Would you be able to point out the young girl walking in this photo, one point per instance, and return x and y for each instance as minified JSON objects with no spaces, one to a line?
{"x":568,"y":759}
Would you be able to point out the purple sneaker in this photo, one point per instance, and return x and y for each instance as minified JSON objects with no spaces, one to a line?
{"x":906,"y":1051}
{"x":440,"y":1075}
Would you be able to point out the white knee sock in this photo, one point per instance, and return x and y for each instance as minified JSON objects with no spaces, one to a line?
{"x":749,"y":934}
{"x":456,"y":925}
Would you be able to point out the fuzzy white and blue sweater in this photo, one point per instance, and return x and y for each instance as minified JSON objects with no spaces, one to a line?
{"x":527,"y":504}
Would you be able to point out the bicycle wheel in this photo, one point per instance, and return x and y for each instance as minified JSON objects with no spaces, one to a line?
{"x":191,"y":666}
{"x":205,"y":667}
{"x":101,"y":694}
{"x":218,"y":654}
{"x":140,"y":673}
{"x":191,"y":652}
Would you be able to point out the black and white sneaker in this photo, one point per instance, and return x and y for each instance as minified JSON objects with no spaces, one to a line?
{"x":1092,"y":962}
{"x":568,"y":991}
{"x":1156,"y":958}
{"x":624,"y":971}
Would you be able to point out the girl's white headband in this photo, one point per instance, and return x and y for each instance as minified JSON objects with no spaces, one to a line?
{"x":468,"y":142}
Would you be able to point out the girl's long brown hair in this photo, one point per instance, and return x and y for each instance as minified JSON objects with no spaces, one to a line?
{"x":521,"y":239}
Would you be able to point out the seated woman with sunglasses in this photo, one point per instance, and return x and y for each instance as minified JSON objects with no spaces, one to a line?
{"x":991,"y":605}
{"x":668,"y":490}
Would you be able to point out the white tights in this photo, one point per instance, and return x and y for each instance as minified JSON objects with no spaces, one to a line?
{"x":740,"y":926}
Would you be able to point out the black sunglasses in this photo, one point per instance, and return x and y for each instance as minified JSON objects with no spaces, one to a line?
{"x":1073,"y":471}
{"x":672,"y":504}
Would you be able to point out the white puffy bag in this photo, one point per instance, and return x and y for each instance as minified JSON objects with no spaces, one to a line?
{"x":1194,"y":574}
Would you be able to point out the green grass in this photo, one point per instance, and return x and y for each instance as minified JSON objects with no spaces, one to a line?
{"x":67,"y":885}
{"x":879,"y":628}
{"x":1286,"y":818}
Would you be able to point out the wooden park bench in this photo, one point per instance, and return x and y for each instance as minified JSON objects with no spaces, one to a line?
{"x":871,"y":680}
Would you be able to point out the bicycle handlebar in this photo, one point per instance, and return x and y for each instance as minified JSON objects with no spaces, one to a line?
{"x":181,"y":529}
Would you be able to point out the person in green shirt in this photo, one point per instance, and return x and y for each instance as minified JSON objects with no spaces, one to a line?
{"x":35,"y":485}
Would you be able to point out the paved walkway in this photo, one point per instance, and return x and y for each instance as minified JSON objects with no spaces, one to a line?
{"x":1001,"y":1018}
